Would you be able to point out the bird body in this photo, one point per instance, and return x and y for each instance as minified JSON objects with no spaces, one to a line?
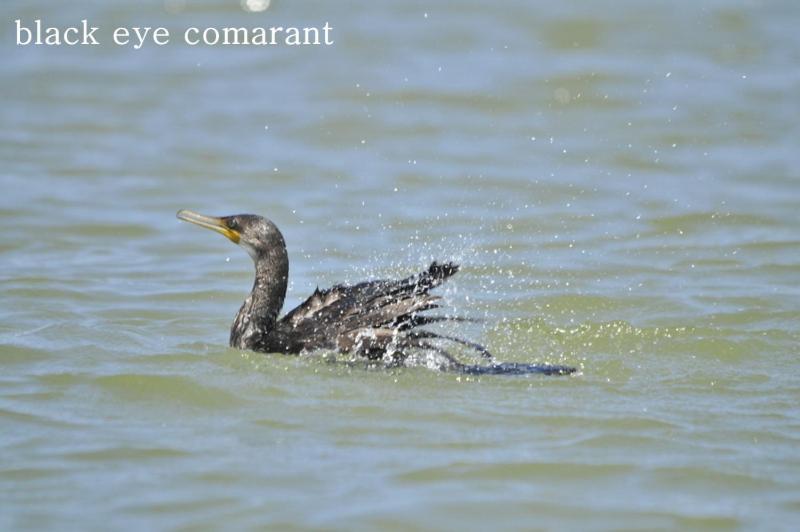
{"x":377,"y":320}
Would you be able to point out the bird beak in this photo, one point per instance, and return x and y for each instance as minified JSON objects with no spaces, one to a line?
{"x":210,"y":222}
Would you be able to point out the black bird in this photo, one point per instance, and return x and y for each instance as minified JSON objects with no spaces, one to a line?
{"x":379,"y":320}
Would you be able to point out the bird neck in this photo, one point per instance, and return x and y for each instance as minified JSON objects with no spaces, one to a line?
{"x":259,"y":312}
{"x":269,"y":287}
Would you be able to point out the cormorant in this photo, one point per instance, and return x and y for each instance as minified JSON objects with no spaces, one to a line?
{"x":380,"y":320}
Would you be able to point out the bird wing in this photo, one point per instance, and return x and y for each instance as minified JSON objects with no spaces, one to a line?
{"x":368,"y":316}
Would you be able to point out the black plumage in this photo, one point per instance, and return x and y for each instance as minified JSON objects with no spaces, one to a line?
{"x":378,"y":320}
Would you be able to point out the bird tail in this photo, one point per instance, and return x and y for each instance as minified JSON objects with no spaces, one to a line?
{"x":514,"y":368}
{"x":422,"y":340}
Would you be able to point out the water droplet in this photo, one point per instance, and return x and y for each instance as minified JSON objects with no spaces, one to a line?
{"x":255,"y":6}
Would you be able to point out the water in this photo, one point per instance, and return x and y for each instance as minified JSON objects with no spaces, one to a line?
{"x":618,"y":180}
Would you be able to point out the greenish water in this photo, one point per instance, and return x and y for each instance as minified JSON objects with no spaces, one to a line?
{"x":618,"y":180}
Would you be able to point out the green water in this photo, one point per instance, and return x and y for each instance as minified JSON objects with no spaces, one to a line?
{"x":618,"y":180}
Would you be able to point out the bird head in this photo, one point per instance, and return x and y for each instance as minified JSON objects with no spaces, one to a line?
{"x":255,"y":234}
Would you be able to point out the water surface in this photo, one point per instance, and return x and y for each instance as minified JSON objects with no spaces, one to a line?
{"x":618,"y":180}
